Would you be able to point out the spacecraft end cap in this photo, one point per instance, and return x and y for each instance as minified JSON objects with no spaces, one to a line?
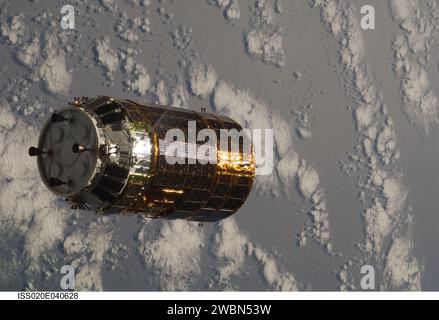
{"x":58,"y":118}
{"x":67,"y":168}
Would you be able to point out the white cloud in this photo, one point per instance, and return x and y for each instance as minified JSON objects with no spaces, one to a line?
{"x":411,"y":54}
{"x":308,"y":180}
{"x":288,"y":167}
{"x":88,"y":249}
{"x":7,"y":119}
{"x":229,"y":247}
{"x":231,"y":10}
{"x":241,"y":106}
{"x":378,"y":227}
{"x":14,"y":29}
{"x":138,"y":81}
{"x":402,"y":270}
{"x":263,"y":40}
{"x":53,"y":72}
{"x":277,"y":279}
{"x":363,"y":116}
{"x":172,"y":252}
{"x":267,"y":47}
{"x":26,"y":205}
{"x":29,"y":53}
{"x":170,"y":92}
{"x":388,"y":215}
{"x":106,"y":56}
{"x":45,"y":59}
{"x":202,"y":78}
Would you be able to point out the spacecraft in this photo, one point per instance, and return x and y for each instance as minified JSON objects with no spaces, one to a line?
{"x":110,"y":155}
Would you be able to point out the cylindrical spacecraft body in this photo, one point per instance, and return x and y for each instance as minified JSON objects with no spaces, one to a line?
{"x":115,"y":156}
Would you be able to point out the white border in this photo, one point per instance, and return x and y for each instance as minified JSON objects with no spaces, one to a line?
{"x":197,"y":296}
